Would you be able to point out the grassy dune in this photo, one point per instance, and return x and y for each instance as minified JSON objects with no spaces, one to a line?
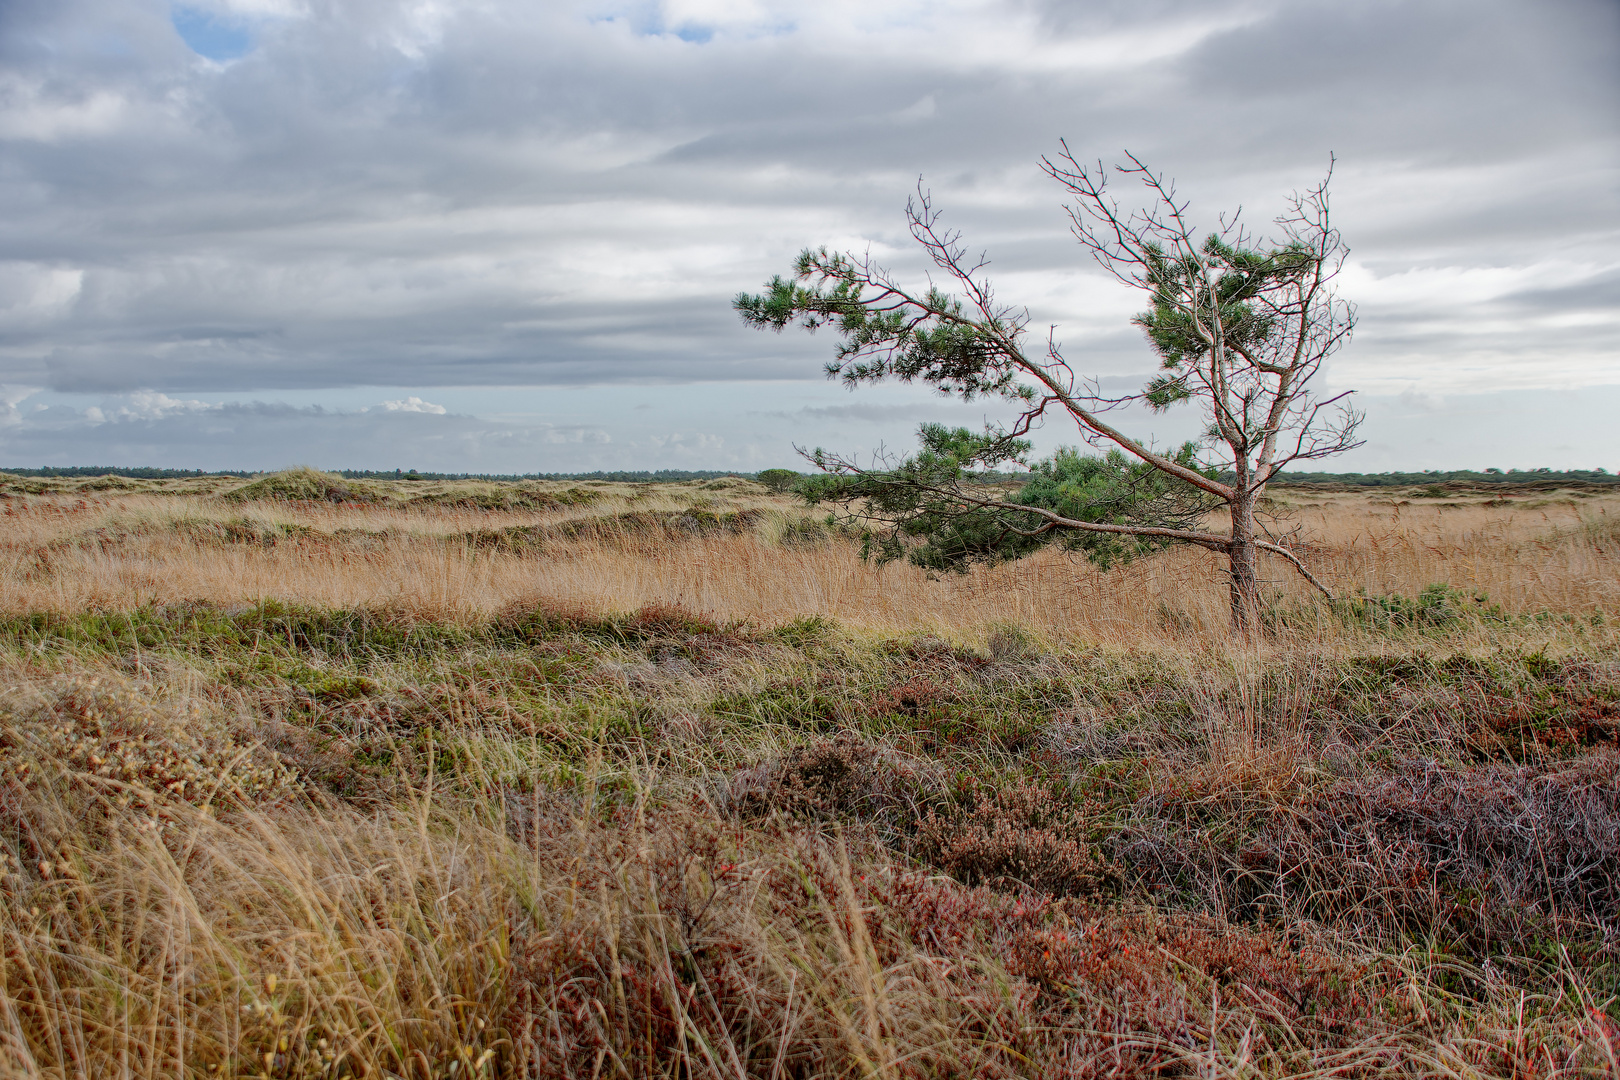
{"x":311,"y":777}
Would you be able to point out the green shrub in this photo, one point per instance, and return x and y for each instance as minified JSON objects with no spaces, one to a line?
{"x":302,"y":484}
{"x":1437,"y":606}
{"x":779,"y":480}
{"x":803,"y":532}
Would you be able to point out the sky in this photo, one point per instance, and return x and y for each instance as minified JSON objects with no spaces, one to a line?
{"x":504,"y":235}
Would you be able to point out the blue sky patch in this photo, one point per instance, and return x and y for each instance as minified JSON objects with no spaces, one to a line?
{"x":210,"y":35}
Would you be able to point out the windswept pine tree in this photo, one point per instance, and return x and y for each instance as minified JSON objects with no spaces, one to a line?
{"x":1241,"y":326}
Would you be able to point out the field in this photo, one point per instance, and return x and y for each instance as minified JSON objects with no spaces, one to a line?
{"x":320,"y":778}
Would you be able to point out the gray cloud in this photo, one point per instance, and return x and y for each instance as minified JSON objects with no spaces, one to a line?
{"x":1527,"y":428}
{"x":409,"y":433}
{"x":879,"y":413}
{"x":1596,"y":294}
{"x":382,"y":193}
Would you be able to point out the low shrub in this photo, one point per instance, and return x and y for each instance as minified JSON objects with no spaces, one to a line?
{"x":1020,"y":833}
{"x":1491,"y":860}
{"x":803,"y":532}
{"x":1095,"y":992}
{"x":660,"y":526}
{"x":1437,"y":606}
{"x":105,"y":739}
{"x":840,"y":777}
{"x":304,"y":485}
{"x":1010,"y":643}
{"x":1488,"y":852}
{"x":85,"y":758}
{"x":475,"y":496}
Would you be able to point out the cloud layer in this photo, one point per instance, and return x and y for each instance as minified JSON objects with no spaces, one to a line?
{"x":231,"y":199}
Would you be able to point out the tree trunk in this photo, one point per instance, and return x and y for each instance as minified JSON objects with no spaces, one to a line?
{"x":1244,"y":573}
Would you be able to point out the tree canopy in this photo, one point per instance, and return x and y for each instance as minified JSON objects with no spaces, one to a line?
{"x":1241,"y":326}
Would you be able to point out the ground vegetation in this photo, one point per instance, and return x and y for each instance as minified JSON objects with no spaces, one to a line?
{"x":668,"y":782}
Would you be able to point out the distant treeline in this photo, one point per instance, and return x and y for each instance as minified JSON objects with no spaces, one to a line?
{"x":1540,"y":477}
{"x":1455,"y":476}
{"x":665,"y":476}
{"x":662,"y":476}
{"x":140,"y":473}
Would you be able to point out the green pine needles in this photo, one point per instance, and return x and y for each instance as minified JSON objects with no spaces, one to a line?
{"x":1241,"y":327}
{"x":935,"y":509}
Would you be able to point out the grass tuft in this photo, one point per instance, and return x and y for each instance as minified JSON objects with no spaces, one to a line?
{"x":433,"y":779}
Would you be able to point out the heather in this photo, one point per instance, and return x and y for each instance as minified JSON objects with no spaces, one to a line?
{"x":556,"y":779}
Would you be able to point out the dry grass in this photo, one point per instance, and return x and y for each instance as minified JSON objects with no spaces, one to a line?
{"x":599,"y":934}
{"x":114,"y":553}
{"x":410,"y":788}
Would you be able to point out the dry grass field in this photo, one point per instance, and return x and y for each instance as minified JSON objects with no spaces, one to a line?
{"x":321,"y":778}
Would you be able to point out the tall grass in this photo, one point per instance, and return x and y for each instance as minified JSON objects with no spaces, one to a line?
{"x":562,"y":936}
{"x":588,"y":792}
{"x":439,"y":562}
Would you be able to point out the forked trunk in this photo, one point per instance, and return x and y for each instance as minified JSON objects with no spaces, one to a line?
{"x":1244,"y":572}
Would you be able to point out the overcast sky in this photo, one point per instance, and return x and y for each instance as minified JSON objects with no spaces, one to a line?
{"x":503,"y":235}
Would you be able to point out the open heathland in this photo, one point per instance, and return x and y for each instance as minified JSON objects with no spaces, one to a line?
{"x":303,"y":776}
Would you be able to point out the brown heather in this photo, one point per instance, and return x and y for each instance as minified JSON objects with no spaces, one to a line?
{"x":332,"y":779}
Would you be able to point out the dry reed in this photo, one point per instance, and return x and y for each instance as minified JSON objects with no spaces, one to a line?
{"x":118,"y":553}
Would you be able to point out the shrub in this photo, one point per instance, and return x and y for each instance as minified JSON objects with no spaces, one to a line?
{"x":1491,"y":859}
{"x":656,"y":527}
{"x":920,"y":697}
{"x":779,"y":480}
{"x":1019,"y":833}
{"x":1095,"y":992}
{"x":102,"y":736}
{"x":1484,"y":852}
{"x":844,"y":776}
{"x":475,"y":496}
{"x":1437,"y":606}
{"x":803,"y":532}
{"x":302,"y":485}
{"x":1010,"y":643}
{"x":657,"y":953}
{"x":89,"y":757}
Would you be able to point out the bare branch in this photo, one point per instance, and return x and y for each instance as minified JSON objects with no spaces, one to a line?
{"x":1278,"y":549}
{"x":1242,"y":327}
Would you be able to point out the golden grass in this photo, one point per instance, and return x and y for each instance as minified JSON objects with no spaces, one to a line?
{"x":65,"y":554}
{"x":176,"y":901}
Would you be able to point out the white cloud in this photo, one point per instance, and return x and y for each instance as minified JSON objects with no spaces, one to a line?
{"x":687,"y":441}
{"x":562,"y":436}
{"x":10,"y":398}
{"x":253,"y":9}
{"x":420,"y":26}
{"x":151,"y":405}
{"x":1441,"y":287}
{"x":414,"y":404}
{"x":143,"y":405}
